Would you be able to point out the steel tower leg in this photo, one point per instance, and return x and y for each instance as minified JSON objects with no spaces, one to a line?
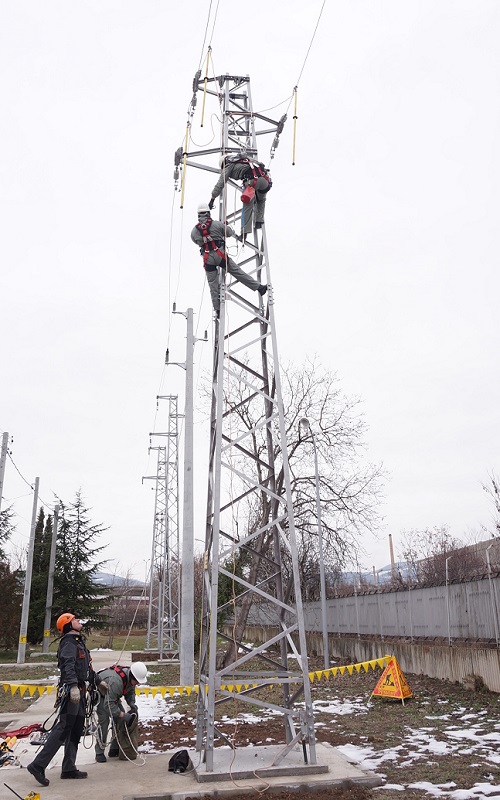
{"x":250,"y":533}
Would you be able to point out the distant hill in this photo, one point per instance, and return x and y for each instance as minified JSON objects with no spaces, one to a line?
{"x":109,"y":580}
{"x":384,"y":574}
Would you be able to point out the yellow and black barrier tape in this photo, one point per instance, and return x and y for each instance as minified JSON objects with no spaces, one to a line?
{"x":317,"y":675}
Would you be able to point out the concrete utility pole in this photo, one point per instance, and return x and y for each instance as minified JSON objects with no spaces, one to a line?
{"x":50,"y":582}
{"x":187,"y":596}
{"x":186,"y":645}
{"x":305,"y":424}
{"x":3,"y":458}
{"x":393,"y":563}
{"x":21,"y":650}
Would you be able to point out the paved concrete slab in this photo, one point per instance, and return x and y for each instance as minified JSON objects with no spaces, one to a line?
{"x":148,"y":777}
{"x":251,"y":762}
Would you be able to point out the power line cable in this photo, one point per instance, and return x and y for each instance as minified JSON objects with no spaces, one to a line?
{"x":311,"y":43}
{"x":50,"y":506}
{"x":205,"y":35}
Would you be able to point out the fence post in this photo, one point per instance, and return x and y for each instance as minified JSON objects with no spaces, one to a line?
{"x":380,"y":614}
{"x":448,"y":602}
{"x":493,"y":596}
{"x":357,"y":610}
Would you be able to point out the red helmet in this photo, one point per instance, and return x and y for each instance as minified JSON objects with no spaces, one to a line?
{"x":63,"y":620}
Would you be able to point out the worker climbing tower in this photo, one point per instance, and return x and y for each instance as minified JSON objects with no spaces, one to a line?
{"x":250,"y":556}
{"x":164,"y":593}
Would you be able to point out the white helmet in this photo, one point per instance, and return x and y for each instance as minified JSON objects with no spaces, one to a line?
{"x":139,"y":671}
{"x":203,"y":209}
{"x":222,"y":160}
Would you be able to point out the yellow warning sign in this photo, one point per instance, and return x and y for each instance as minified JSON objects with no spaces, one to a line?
{"x":392,"y":683}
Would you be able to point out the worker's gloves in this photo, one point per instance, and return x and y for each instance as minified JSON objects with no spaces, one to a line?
{"x":133,"y":709}
{"x":128,"y":718}
{"x":103,"y":687}
{"x":211,"y":203}
{"x":74,"y":694}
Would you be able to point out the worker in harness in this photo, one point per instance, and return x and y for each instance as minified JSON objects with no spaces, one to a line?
{"x":210,"y":236}
{"x":75,"y":665}
{"x":254,"y":176}
{"x":121,"y":683}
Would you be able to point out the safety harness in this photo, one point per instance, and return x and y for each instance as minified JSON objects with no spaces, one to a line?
{"x":257,"y":172}
{"x":210,"y":245}
{"x":121,"y":673}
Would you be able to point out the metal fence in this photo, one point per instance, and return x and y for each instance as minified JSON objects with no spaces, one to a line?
{"x":456,"y":611}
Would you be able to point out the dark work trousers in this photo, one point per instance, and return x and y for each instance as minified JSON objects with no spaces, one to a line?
{"x":256,"y":206}
{"x":103,"y":719}
{"x":67,"y":731}
{"x":213,"y":261}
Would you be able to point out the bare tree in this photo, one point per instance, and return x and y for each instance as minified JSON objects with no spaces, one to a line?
{"x":428,"y":552}
{"x":125,"y":605}
{"x":350,"y":488}
{"x":492,"y":489}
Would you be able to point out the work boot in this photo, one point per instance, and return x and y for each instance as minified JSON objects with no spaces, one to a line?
{"x":262,"y":289}
{"x":258,"y":225}
{"x":101,"y":758}
{"x":38,"y":774}
{"x":113,"y":753}
{"x":75,"y":773}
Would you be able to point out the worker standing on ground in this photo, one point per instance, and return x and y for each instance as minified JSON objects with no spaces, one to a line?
{"x":210,"y":237}
{"x":255,"y":177}
{"x":121,"y":683}
{"x":75,"y":664}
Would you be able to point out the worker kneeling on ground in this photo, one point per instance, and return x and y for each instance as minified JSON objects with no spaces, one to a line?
{"x":121,"y":683}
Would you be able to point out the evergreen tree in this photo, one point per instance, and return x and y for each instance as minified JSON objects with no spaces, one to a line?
{"x":11,"y":605}
{"x":6,"y":530}
{"x":74,"y":587}
{"x":12,"y":587}
{"x":39,"y":579}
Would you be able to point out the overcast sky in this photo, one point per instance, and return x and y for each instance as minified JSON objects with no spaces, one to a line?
{"x":383,"y":240}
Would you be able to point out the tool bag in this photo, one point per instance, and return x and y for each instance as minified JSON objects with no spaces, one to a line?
{"x":247,"y":194}
{"x":179,"y":761}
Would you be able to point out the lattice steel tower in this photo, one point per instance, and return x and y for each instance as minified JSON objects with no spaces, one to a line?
{"x":250,"y":533}
{"x":164,"y":590}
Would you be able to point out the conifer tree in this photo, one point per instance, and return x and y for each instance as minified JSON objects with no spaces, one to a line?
{"x":12,"y":587}
{"x":40,"y":574}
{"x":6,"y":530}
{"x":74,"y":587}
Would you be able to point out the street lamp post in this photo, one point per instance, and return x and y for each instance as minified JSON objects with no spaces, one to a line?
{"x":304,"y":423}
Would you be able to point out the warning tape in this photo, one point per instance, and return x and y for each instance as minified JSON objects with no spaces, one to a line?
{"x":317,"y":675}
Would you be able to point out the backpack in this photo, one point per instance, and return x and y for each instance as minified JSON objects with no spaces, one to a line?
{"x":179,"y":761}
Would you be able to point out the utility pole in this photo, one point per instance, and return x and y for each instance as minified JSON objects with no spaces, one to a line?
{"x":3,"y":458}
{"x":21,"y":650}
{"x":249,"y":499}
{"x":187,"y":589}
{"x":393,"y":563}
{"x":50,"y":582}
{"x":186,"y":651}
{"x":304,"y":423}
